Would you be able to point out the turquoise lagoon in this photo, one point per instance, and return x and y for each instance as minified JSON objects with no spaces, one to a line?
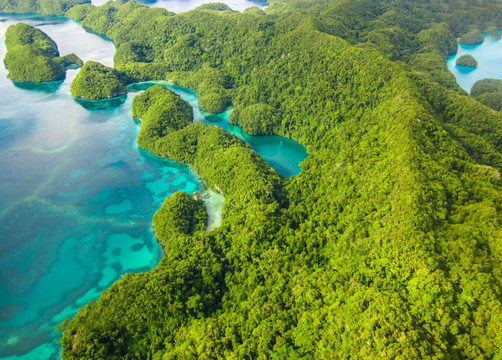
{"x":76,"y":199}
{"x":281,"y":153}
{"x":77,"y":196}
{"x":489,"y":57}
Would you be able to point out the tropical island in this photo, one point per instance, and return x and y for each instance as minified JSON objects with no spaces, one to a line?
{"x":386,"y":245}
{"x":32,"y":56}
{"x":467,"y":61}
{"x":473,"y":37}
{"x":96,"y":81}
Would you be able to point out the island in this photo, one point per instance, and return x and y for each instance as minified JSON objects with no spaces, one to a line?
{"x":493,"y":33}
{"x":386,"y":244}
{"x":467,"y":61}
{"x":161,"y":112}
{"x":96,"y":81}
{"x":488,"y":92}
{"x":32,"y":56}
{"x":473,"y":37}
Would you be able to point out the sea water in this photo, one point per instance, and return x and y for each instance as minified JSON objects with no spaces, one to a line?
{"x":489,"y":57}
{"x":77,"y":196}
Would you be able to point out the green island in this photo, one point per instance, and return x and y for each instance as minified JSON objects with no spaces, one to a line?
{"x":473,"y":37}
{"x":32,"y":56}
{"x":96,"y":81}
{"x":386,"y":245}
{"x":467,"y":60}
{"x":488,"y":92}
{"x":493,"y":33}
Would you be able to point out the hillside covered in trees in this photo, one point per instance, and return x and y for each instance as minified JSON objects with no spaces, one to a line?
{"x":32,"y":56}
{"x":386,"y":245}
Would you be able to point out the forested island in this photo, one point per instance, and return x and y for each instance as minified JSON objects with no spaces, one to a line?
{"x":467,"y":61}
{"x":386,"y":245}
{"x":34,"y":57}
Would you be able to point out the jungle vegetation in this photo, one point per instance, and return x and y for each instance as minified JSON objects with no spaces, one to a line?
{"x":32,"y":56}
{"x":473,"y":37}
{"x":386,"y":245}
{"x":467,"y":60}
{"x":488,"y":92}
{"x":96,"y":81}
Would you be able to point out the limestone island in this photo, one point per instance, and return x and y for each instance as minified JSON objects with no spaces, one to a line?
{"x":32,"y":56}
{"x":161,"y":112}
{"x":493,"y":33}
{"x":473,"y":37}
{"x":488,"y":92}
{"x":467,"y":61}
{"x":96,"y":81}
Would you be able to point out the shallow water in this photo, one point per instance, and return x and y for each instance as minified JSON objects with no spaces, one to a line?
{"x":77,"y":196}
{"x":489,"y":57}
{"x":77,"y":199}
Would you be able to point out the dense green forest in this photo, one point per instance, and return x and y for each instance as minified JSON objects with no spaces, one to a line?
{"x":488,"y":92}
{"x":32,"y":56}
{"x":386,"y":245}
{"x":96,"y":81}
{"x":467,"y":60}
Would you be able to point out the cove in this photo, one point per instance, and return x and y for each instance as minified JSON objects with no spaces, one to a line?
{"x":77,"y":198}
{"x":282,"y":154}
{"x":488,"y":54}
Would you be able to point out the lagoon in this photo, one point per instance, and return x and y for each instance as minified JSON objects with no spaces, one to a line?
{"x":78,"y":196}
{"x":488,"y":54}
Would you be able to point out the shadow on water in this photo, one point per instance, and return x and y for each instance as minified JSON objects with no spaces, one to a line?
{"x":49,"y":87}
{"x":102,"y":105}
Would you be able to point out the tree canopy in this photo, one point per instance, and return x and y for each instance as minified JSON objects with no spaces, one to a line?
{"x":96,"y":81}
{"x":32,"y":56}
{"x":386,"y":245}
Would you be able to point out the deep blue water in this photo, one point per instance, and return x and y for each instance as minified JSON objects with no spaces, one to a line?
{"x":489,"y":57}
{"x":77,"y":196}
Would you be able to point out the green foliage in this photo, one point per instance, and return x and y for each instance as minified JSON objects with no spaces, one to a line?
{"x":493,"y":33}
{"x":254,"y":10}
{"x":472,"y":38}
{"x":215,"y":6}
{"x":23,"y":34}
{"x":71,"y":61}
{"x":257,"y":119}
{"x":486,"y":86}
{"x":488,"y":92}
{"x":45,"y":7}
{"x":161,"y":111}
{"x":180,"y":214}
{"x":467,"y":60}
{"x":386,"y":245}
{"x":96,"y":81}
{"x":79,"y":12}
{"x":32,"y":56}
